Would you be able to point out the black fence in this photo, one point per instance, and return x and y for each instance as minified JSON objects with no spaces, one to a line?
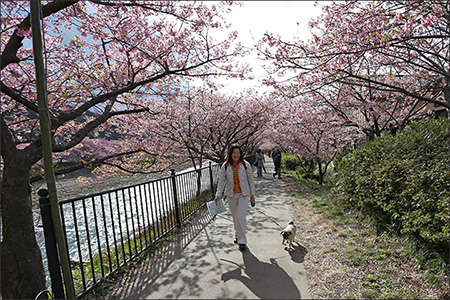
{"x":106,"y":230}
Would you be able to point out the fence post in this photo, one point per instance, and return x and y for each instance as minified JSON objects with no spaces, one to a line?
{"x":211,"y":181}
{"x":175,"y":197}
{"x":50,"y":245}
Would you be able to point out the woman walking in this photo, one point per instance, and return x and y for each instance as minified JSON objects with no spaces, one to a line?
{"x":259,"y":162}
{"x":236,"y":183}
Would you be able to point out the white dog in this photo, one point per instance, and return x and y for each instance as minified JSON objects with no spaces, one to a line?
{"x":288,"y":234}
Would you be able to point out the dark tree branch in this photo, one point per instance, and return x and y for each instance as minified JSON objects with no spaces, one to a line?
{"x":9,"y":54}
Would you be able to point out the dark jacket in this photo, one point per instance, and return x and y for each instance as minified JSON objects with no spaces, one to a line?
{"x":277,"y":158}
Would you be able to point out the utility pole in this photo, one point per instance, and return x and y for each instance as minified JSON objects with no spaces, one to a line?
{"x":45,"y":124}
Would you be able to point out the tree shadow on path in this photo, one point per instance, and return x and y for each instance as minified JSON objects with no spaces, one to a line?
{"x":265,"y":280}
{"x":145,"y":274}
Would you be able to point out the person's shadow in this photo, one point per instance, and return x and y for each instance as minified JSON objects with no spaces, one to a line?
{"x":265,"y":280}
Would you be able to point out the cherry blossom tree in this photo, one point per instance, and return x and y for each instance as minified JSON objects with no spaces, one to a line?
{"x":312,"y":132}
{"x":366,"y":109}
{"x":204,"y":122}
{"x":396,"y":52}
{"x":101,"y":81}
{"x":200,"y":123}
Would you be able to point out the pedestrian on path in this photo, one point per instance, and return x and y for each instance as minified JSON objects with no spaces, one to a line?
{"x":276,"y":156}
{"x":237,"y":184}
{"x":259,"y":162}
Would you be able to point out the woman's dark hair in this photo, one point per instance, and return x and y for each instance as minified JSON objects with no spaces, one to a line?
{"x":258,"y":151}
{"x":232,"y":147}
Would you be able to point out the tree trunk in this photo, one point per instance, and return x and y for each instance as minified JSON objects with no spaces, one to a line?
{"x":22,"y":270}
{"x":447,"y":99}
{"x":321,"y":173}
{"x":199,"y":182}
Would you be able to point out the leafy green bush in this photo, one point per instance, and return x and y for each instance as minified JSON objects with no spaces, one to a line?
{"x":403,"y":180}
{"x":301,"y":165}
{"x":290,"y":161}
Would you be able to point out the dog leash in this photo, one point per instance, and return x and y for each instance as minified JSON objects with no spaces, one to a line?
{"x":276,"y":223}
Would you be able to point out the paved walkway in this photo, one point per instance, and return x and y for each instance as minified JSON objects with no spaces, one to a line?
{"x":206,"y":264}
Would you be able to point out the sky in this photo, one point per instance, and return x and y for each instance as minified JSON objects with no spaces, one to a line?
{"x":280,"y":17}
{"x":255,"y":18}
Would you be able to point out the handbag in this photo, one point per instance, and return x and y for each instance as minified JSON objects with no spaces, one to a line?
{"x":215,"y":208}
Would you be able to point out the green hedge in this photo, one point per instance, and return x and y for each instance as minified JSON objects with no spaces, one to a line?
{"x":403,"y":180}
{"x":290,"y":161}
{"x":301,"y":165}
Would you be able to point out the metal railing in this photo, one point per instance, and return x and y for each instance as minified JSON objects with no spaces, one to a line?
{"x":106,"y":230}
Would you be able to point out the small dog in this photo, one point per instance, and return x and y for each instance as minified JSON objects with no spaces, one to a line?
{"x":288,"y":234}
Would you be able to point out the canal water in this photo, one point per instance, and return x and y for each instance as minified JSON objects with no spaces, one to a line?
{"x":106,"y":219}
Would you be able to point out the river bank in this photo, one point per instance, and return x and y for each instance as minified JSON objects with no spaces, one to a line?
{"x":67,"y":187}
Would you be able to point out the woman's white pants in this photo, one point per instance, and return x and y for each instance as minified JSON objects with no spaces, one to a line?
{"x":238,"y":206}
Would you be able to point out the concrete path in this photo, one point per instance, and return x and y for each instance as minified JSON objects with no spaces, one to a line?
{"x":206,"y":264}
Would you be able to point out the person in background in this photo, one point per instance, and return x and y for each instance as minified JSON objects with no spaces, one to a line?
{"x":237,"y":184}
{"x":259,"y":162}
{"x":276,"y":156}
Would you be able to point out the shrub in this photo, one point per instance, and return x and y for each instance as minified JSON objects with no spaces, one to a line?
{"x":290,"y":161}
{"x":299,"y":164}
{"x":403,"y":180}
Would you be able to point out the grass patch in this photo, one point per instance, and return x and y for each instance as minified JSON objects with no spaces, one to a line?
{"x":370,"y":294}
{"x":385,"y":262}
{"x":319,"y":204}
{"x":308,"y":187}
